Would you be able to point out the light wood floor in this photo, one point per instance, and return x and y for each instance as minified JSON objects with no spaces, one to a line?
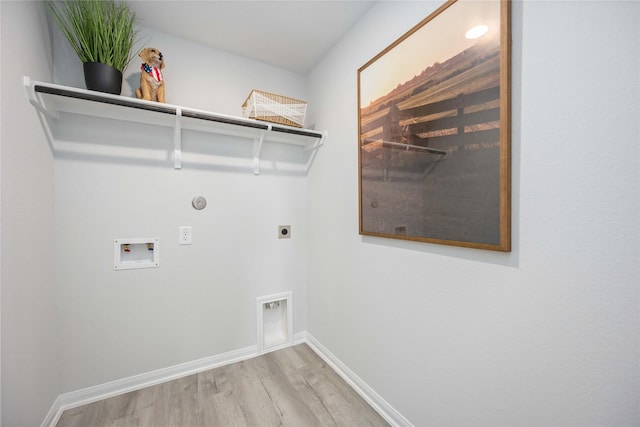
{"x":289,"y":387}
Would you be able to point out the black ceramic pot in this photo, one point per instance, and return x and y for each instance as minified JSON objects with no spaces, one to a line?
{"x":102,"y":77}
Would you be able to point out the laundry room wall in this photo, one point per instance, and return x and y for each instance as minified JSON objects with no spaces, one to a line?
{"x":547,"y":334}
{"x":115,"y":179}
{"x":27,"y":269}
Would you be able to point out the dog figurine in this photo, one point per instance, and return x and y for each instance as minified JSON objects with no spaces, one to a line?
{"x":151,"y":80}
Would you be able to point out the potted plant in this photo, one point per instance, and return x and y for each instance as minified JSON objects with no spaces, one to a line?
{"x":102,"y":33}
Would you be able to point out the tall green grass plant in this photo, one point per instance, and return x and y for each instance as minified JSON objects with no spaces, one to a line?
{"x":98,"y":30}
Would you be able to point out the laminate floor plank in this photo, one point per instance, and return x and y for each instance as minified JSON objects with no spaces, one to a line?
{"x":256,"y":405}
{"x":179,"y":402}
{"x":222,"y":409}
{"x":87,"y":415}
{"x":291,"y":404}
{"x":310,"y":397}
{"x":292,"y":387}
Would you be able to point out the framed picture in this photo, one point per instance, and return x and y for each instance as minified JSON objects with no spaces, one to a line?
{"x":434,"y":130}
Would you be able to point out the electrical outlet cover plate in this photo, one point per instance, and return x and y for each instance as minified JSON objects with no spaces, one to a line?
{"x":185,"y":235}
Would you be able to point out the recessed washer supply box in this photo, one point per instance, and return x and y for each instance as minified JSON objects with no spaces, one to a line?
{"x":275,"y":321}
{"x":136,"y":253}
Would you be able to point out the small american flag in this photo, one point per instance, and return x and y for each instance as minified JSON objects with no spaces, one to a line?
{"x":153,"y":71}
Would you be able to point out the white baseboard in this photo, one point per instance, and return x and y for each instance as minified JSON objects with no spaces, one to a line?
{"x":300,"y":337}
{"x":92,"y":394}
{"x":380,"y":405}
{"x":53,"y":416}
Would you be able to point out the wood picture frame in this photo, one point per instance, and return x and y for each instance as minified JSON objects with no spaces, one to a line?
{"x":434,"y":126}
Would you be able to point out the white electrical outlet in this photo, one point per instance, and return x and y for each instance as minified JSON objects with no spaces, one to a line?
{"x":185,"y":236}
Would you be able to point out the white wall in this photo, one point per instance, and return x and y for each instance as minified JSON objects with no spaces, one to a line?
{"x":29,"y":302}
{"x":545,"y":335}
{"x":115,"y":180}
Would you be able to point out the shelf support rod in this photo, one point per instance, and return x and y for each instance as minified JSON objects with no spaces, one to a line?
{"x":319,"y":142}
{"x":37,"y":103}
{"x":177,"y":140}
{"x":257,"y":148}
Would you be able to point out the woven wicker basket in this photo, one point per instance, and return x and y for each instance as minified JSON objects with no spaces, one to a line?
{"x":273,"y":108}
